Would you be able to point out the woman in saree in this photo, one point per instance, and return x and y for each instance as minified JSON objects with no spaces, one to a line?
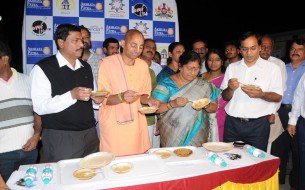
{"x":179,"y":123}
{"x":215,"y":74}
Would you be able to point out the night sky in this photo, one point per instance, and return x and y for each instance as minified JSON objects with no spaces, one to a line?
{"x":220,"y":21}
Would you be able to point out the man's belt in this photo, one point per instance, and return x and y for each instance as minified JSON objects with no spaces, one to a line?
{"x":286,"y":106}
{"x":248,"y":119}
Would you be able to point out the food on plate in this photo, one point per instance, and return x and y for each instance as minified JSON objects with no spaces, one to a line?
{"x":99,"y":93}
{"x":250,"y":86}
{"x":201,"y":103}
{"x":84,"y":174}
{"x":163,"y":153}
{"x":183,"y":152}
{"x":148,"y":110}
{"x":122,"y":167}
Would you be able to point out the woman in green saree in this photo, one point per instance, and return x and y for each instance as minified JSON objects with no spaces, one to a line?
{"x":179,"y":123}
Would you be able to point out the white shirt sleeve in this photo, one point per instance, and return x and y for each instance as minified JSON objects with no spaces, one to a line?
{"x":41,"y":93}
{"x":298,"y":106}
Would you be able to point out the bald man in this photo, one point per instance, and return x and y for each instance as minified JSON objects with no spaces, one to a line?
{"x":123,"y":129}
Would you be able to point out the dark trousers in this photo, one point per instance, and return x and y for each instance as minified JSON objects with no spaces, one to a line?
{"x":254,"y":132}
{"x":301,"y":141}
{"x":281,"y":148}
{"x":10,"y":161}
{"x":60,"y":145}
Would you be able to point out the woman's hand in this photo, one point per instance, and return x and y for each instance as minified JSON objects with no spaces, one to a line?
{"x":179,"y":102}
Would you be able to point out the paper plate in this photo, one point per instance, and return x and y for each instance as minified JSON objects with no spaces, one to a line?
{"x":148,"y":110}
{"x":201,"y":103}
{"x":122,"y":167}
{"x":163,"y":153}
{"x":84,"y":174}
{"x":97,"y":160}
{"x":99,"y":93}
{"x":250,"y":86}
{"x":218,"y":146}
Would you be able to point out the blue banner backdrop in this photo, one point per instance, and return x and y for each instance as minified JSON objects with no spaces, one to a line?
{"x":156,"y":19}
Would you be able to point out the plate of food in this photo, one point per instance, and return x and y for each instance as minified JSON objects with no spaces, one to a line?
{"x":249,"y":86}
{"x":121,"y":167}
{"x":148,"y":110}
{"x":218,"y":146}
{"x":201,"y":103}
{"x":163,"y":153}
{"x":84,"y":174}
{"x":183,"y":152}
{"x":96,"y":160}
{"x":99,"y":93}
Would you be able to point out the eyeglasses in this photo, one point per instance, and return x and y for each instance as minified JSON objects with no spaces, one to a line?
{"x":246,"y":49}
{"x":76,"y":40}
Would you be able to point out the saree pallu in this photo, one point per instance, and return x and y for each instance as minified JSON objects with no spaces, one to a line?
{"x":183,"y":126}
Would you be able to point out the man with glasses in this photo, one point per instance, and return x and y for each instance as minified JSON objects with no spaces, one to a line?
{"x":251,"y":86}
{"x":199,"y":46}
{"x":124,"y":129}
{"x":61,"y":94}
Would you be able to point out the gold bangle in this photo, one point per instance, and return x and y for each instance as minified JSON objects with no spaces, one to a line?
{"x":168,"y":105}
{"x":121,"y":98}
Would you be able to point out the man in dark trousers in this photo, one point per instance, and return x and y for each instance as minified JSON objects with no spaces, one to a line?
{"x":61,"y":94}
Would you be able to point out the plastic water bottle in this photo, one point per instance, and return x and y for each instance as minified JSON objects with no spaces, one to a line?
{"x":254,"y":151}
{"x":30,"y":176}
{"x":216,"y":159}
{"x":47,"y":174}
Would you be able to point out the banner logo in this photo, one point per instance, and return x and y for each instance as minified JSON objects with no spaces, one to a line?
{"x":139,"y":10}
{"x":164,"y":11}
{"x":116,"y":6}
{"x":65,"y":4}
{"x":39,"y":28}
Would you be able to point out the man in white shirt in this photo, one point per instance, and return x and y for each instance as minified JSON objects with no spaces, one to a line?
{"x":296,"y":124}
{"x":148,"y":53}
{"x":276,"y":127}
{"x":199,"y":46}
{"x":61,"y":94}
{"x":248,"y":107}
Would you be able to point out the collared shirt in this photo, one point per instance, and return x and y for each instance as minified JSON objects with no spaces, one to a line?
{"x":41,"y":91}
{"x":293,"y":77}
{"x":203,"y":69}
{"x":298,"y":106}
{"x":263,"y":73}
{"x":93,"y":61}
{"x":156,"y":67}
{"x":282,"y":67}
